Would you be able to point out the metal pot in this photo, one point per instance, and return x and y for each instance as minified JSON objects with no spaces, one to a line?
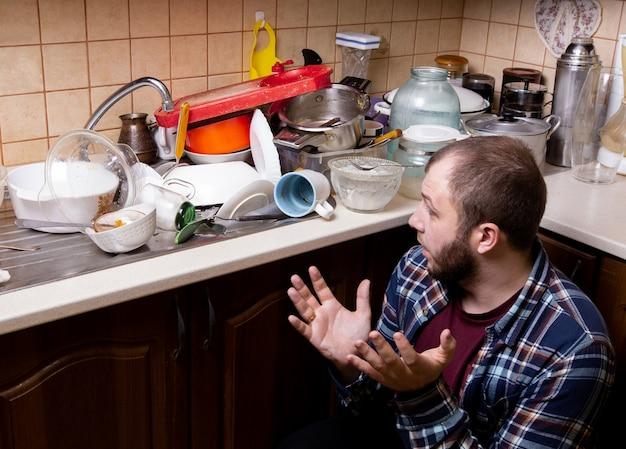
{"x":533,"y":132}
{"x":317,"y":112}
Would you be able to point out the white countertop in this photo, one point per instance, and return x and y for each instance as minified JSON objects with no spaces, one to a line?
{"x":591,"y":214}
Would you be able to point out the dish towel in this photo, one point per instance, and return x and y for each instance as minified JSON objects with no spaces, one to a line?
{"x":558,"y":21}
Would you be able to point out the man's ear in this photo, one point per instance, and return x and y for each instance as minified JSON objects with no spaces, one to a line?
{"x":487,"y":236}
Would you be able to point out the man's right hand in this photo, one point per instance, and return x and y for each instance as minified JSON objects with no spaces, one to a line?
{"x":330,"y":327}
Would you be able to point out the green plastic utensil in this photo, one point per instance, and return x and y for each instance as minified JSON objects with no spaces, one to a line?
{"x":204,"y":225}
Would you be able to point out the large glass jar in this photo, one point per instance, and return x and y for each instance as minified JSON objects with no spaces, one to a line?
{"x":426,"y":98}
{"x":411,"y":183}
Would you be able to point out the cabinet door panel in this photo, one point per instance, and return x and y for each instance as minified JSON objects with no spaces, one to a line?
{"x":105,"y":379}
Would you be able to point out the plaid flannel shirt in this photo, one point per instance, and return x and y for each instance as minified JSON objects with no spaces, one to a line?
{"x":539,"y":378}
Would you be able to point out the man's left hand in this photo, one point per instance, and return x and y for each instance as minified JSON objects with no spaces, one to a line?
{"x":407,"y":371}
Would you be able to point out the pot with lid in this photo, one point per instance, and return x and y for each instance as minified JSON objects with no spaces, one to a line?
{"x":334,"y":115}
{"x":524,"y":99}
{"x":533,"y":132}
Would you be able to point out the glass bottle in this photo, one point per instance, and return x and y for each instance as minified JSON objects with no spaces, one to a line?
{"x":426,"y":98}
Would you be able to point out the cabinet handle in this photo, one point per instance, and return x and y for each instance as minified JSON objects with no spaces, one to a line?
{"x":181,"y":331}
{"x":211,"y":327}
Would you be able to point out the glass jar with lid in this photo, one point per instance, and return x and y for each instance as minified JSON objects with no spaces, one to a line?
{"x":455,"y":65}
{"x":426,"y":98}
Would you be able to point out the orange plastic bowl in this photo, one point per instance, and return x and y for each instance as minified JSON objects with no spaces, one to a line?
{"x":225,"y":136}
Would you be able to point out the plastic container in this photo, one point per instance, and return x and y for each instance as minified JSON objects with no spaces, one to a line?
{"x":356,"y":49}
{"x":426,"y":98}
{"x":292,"y":159}
{"x":221,"y":137}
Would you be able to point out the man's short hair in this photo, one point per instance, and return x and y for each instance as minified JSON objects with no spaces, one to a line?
{"x":496,"y":180}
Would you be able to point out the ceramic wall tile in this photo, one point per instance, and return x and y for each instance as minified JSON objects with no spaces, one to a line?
{"x":62,"y":20}
{"x":611,"y":13}
{"x":249,"y":8}
{"x":148,"y":100}
{"x":604,"y":50}
{"x":451,"y":8}
{"x":150,"y":57}
{"x":474,"y":36}
{"x":111,"y":118}
{"x":429,"y":9}
{"x":527,"y":13}
{"x":383,"y":30}
{"x":246,"y":49}
{"x":322,"y":40}
{"x":477,"y":9}
{"x":402,"y":38}
{"x":65,"y":66}
{"x":224,"y":53}
{"x":529,"y":47}
{"x":404,"y":10}
{"x":378,"y":11}
{"x":292,"y":13}
{"x":225,"y":16}
{"x":189,"y":56}
{"x":501,"y":40}
{"x":24,"y":152}
{"x":427,"y":36}
{"x":351,"y":11}
{"x":290,"y":43}
{"x":22,"y":117}
{"x":377,"y":72}
{"x":189,"y":86}
{"x":188,"y":17}
{"x":218,"y":81}
{"x":427,"y":59}
{"x":322,"y":13}
{"x":476,"y":62}
{"x":20,"y":70}
{"x":450,"y":35}
{"x":67,"y":110}
{"x":19,"y":22}
{"x":505,"y":11}
{"x":109,"y":62}
{"x":107,"y":20}
{"x":149,"y":18}
{"x":399,"y":71}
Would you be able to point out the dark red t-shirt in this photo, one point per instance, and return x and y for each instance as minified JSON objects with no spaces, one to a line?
{"x":469,"y":331}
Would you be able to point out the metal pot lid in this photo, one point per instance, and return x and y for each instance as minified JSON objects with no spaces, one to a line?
{"x":508,"y":124}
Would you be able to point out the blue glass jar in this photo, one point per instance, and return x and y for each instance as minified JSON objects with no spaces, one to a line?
{"x":426,"y":98}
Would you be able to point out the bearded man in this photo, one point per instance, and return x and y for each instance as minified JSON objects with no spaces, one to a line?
{"x":481,"y":341}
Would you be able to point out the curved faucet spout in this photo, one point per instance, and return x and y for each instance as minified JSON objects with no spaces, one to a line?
{"x":120,"y":93}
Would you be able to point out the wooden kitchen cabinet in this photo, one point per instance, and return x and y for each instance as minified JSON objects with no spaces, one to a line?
{"x":104,"y":379}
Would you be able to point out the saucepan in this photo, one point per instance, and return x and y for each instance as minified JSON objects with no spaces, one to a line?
{"x":336,"y":112}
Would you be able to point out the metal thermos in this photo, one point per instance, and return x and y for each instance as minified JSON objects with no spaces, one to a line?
{"x":572,"y":68}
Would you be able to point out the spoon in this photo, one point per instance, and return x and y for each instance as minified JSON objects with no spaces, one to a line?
{"x":366,"y":167}
{"x":19,"y":248}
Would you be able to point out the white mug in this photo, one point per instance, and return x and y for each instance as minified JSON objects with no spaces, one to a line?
{"x":301,"y":192}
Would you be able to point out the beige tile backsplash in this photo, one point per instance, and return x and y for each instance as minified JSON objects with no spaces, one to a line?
{"x":59,"y":59}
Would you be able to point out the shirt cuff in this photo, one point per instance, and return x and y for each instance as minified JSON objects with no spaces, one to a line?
{"x":431,"y":404}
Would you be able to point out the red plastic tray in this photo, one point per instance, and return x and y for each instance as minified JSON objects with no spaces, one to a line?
{"x":249,"y":94}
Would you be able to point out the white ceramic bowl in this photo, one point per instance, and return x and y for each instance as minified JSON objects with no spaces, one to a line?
{"x":139,"y":224}
{"x":365,"y":191}
{"x":199,"y":158}
{"x":32,"y":200}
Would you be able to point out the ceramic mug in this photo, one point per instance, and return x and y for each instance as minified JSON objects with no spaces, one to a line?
{"x":299,"y":193}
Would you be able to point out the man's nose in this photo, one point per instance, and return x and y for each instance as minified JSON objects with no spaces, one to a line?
{"x":415,"y":222}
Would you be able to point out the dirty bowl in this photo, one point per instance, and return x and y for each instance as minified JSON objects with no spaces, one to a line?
{"x":131,"y":228}
{"x":361,"y":190}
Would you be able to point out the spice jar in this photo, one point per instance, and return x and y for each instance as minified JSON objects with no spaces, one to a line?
{"x":455,"y":65}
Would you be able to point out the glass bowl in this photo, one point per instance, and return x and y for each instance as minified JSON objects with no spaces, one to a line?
{"x":365,"y":190}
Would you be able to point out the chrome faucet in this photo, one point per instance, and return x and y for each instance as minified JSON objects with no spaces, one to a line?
{"x":116,"y":96}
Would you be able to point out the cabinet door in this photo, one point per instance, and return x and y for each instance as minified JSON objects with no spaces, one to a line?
{"x":105,"y":379}
{"x":254,"y":378}
{"x":577,"y":263}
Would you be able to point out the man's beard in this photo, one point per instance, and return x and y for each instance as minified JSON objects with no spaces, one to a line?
{"x":454,"y":263}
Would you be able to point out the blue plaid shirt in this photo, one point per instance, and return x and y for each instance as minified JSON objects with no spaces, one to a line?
{"x":538,"y":381}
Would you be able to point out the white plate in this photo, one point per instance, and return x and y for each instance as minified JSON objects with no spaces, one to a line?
{"x":264,"y":152}
{"x":208,"y":184}
{"x":251,"y":197}
{"x":432,"y":133}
